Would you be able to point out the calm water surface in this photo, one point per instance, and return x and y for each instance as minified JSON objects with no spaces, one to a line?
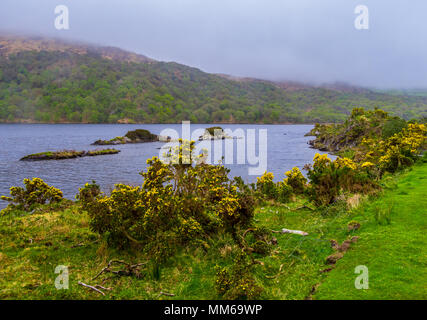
{"x":287,"y":147}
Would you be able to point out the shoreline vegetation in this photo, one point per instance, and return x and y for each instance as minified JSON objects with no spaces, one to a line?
{"x":193,"y":233}
{"x":67,"y":154}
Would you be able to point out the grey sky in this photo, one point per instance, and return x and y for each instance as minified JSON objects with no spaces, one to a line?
{"x":303,"y":40}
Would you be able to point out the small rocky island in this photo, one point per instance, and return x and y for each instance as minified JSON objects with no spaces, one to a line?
{"x":214,"y":133}
{"x":67,"y":154}
{"x":136,"y":136}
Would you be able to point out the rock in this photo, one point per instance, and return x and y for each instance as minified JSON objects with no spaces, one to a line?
{"x":135,"y":136}
{"x":353,"y":225}
{"x":333,"y":258}
{"x":274,"y":241}
{"x":345,"y":246}
{"x":164,"y":138}
{"x":355,"y":239}
{"x":214,"y":133}
{"x":327,"y":269}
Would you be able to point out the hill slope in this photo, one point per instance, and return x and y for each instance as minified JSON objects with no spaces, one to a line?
{"x":44,"y":80}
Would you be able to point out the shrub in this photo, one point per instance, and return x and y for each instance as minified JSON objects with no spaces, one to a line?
{"x":393,"y":126}
{"x":281,"y":191}
{"x":89,"y":192}
{"x":177,"y":204}
{"x":35,"y":193}
{"x":285,"y":192}
{"x":237,"y":282}
{"x":402,"y":149}
{"x":266,"y":185}
{"x":296,"y":180}
{"x":141,"y":134}
{"x":257,"y":240}
{"x":329,"y":178}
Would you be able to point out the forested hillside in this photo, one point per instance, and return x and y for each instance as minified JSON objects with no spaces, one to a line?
{"x":47,"y":84}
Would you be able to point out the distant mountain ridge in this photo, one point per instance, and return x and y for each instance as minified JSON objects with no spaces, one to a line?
{"x":55,"y":81}
{"x":12,"y":45}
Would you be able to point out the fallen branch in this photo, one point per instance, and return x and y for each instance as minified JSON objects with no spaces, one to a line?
{"x":91,"y":287}
{"x":297,"y":208}
{"x":103,"y":288}
{"x":166,"y":294}
{"x":302,"y":233}
{"x":303,"y":207}
{"x":130,"y":269}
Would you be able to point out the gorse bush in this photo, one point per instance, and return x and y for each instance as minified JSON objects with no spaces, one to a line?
{"x":36,"y":192}
{"x":282,"y":191}
{"x":398,"y":151}
{"x":177,"y":204}
{"x":237,"y":281}
{"x":328,"y":179}
{"x":374,"y":142}
{"x":257,"y":240}
{"x":89,"y":192}
{"x":295,"y":180}
{"x":266,"y":186}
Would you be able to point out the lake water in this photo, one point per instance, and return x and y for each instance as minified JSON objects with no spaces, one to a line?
{"x":286,"y":148}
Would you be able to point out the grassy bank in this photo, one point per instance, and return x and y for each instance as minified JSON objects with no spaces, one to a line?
{"x":392,"y":244}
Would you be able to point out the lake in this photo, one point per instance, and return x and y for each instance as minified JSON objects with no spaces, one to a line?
{"x":286,"y":148}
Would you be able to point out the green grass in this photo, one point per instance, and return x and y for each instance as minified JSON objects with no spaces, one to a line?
{"x":392,"y":244}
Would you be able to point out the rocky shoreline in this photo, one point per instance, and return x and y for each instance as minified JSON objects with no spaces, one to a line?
{"x":328,"y":139}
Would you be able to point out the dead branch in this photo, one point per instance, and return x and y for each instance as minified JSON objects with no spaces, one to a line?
{"x":130,"y":269}
{"x":302,"y":233}
{"x":166,"y":294}
{"x":297,"y":208}
{"x":303,"y":207}
{"x":91,"y":287}
{"x":103,"y":288}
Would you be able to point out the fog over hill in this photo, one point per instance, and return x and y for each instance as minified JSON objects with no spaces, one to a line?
{"x":55,"y":81}
{"x":294,"y":40}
